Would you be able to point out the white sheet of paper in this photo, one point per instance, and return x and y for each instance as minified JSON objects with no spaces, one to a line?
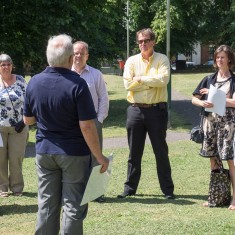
{"x":1,"y":142}
{"x":97,"y":183}
{"x":218,"y":98}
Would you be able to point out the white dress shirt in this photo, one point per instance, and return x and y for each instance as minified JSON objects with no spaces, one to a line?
{"x":97,"y":87}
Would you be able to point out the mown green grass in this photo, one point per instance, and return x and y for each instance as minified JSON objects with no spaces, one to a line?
{"x":114,"y":124}
{"x":186,"y":83}
{"x":147,"y":213}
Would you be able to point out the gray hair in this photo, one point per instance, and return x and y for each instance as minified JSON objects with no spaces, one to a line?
{"x":59,"y":49}
{"x":5,"y":57}
{"x":83,"y":43}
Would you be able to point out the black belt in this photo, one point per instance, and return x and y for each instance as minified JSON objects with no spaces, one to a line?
{"x":161,"y":105}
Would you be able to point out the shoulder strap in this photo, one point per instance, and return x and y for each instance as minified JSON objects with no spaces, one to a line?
{"x":10,"y":100}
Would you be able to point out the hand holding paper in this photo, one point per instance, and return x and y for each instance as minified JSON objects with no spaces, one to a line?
{"x":1,"y":142}
{"x":218,"y":98}
{"x":97,"y":183}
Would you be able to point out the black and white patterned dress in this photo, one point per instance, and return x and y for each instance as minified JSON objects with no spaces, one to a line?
{"x":219,"y":130}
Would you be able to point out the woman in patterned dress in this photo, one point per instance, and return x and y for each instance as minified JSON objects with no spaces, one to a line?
{"x":219,"y":130}
{"x":12,"y":143}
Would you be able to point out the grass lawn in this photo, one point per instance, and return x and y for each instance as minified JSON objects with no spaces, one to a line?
{"x":147,"y":213}
{"x":186,"y":83}
{"x":114,"y":124}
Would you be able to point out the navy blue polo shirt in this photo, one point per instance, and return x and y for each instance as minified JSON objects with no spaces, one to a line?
{"x":59,"y":98}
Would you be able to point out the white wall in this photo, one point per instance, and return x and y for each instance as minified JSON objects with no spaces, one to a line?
{"x":196,"y":55}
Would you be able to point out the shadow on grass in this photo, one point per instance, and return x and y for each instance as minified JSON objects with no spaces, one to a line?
{"x":158,"y":199}
{"x":17,"y":209}
{"x":117,"y":113}
{"x":30,"y":150}
{"x":29,"y":194}
{"x":189,"y":113}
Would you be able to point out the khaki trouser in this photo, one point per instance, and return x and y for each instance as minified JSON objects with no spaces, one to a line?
{"x":11,"y":159}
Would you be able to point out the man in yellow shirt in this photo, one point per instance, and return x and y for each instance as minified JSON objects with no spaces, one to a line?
{"x":145,"y":78}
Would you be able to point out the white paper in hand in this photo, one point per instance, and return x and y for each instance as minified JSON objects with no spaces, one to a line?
{"x":218,"y":98}
{"x":97,"y":183}
{"x":1,"y":142}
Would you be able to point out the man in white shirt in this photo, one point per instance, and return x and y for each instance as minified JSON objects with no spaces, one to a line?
{"x":97,"y":87}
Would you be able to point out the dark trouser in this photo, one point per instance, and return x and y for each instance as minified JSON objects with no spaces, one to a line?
{"x":153,"y":121}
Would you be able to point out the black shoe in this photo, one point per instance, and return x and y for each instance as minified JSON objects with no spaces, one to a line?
{"x":125,"y":194}
{"x":169,"y":196}
{"x":100,"y":199}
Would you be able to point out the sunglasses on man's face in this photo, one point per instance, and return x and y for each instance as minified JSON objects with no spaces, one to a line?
{"x":144,"y":41}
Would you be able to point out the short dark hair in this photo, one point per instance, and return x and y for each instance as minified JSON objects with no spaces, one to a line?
{"x":228,"y":51}
{"x":146,"y":31}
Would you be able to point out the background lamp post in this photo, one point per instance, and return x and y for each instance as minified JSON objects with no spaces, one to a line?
{"x":169,"y":57}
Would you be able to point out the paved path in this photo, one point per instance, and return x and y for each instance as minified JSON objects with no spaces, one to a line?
{"x":180,"y":104}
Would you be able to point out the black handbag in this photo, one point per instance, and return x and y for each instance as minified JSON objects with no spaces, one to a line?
{"x":19,"y":126}
{"x":219,"y":187}
{"x":196,"y":134}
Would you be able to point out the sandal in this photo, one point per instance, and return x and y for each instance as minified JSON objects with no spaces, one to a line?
{"x":232,"y":205}
{"x":205,"y":204}
{"x":4,"y":194}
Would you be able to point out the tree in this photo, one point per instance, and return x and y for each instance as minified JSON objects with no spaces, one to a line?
{"x":27,"y":25}
{"x":216,"y":27}
{"x":192,"y":21}
{"x":185,"y":18}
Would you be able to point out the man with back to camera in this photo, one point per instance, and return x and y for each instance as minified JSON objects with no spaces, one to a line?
{"x":97,"y":87}
{"x":145,"y":78}
{"x":61,"y":105}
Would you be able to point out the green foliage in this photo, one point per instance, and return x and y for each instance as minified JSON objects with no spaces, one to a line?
{"x":217,"y":26}
{"x":27,"y":25}
{"x":192,"y":21}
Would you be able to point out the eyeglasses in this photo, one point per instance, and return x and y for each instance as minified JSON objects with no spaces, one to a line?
{"x":144,"y":41}
{"x":5,"y":65}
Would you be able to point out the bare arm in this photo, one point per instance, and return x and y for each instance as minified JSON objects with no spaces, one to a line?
{"x":29,"y":120}
{"x":196,"y":100}
{"x":90,"y":134}
{"x":230,"y":102}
